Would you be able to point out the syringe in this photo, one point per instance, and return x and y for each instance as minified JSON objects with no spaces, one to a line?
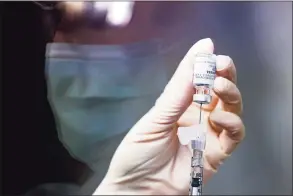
{"x":197,"y":146}
{"x":204,"y":74}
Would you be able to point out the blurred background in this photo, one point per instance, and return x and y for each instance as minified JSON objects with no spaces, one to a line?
{"x":257,"y":35}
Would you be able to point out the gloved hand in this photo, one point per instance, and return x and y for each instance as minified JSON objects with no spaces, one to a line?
{"x":150,"y":159}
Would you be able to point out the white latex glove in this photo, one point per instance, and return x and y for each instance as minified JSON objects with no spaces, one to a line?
{"x":151,"y":161}
{"x":116,"y":13}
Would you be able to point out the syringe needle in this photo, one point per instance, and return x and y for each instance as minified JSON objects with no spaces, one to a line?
{"x":200,"y":113}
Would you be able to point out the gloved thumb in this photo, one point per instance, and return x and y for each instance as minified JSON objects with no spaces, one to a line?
{"x":177,"y":95}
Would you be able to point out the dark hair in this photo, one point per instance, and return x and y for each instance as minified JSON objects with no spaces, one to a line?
{"x":51,"y":17}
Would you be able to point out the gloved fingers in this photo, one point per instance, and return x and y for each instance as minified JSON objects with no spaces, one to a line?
{"x":229,"y":95}
{"x":214,"y":155}
{"x":226,"y":68}
{"x":232,"y":129}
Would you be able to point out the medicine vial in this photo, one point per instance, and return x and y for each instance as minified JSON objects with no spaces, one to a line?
{"x":204,"y":74}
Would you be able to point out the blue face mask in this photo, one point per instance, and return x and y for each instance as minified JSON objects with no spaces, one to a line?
{"x":97,"y":92}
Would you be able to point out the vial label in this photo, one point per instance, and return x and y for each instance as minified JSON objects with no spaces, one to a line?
{"x":204,"y":70}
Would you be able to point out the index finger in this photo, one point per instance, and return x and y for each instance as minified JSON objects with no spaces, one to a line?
{"x":229,"y":95}
{"x":226,"y":68}
{"x":233,"y":129}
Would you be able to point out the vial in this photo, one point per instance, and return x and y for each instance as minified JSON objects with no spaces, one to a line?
{"x":204,"y":74}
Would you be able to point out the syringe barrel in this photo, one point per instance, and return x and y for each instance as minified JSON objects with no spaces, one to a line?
{"x":196,"y":173}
